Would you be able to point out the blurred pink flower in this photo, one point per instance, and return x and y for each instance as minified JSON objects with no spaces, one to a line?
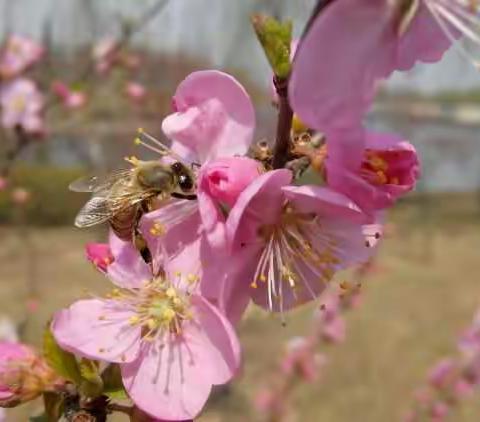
{"x":72,"y":99}
{"x":135,"y":91}
{"x":463,"y":389}
{"x":442,"y":373}
{"x":32,"y":305}
{"x":104,"y":54}
{"x":23,"y":374}
{"x":18,"y":54}
{"x":100,"y":255}
{"x":387,"y":168}
{"x":269,"y":402}
{"x":301,"y":360}
{"x":440,"y":410}
{"x":3,"y":183}
{"x":171,"y":344}
{"x":22,"y":105}
{"x":20,"y":196}
{"x":291,"y":240}
{"x":331,"y":91}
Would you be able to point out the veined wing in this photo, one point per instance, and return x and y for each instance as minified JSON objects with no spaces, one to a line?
{"x":105,"y":205}
{"x":98,"y":183}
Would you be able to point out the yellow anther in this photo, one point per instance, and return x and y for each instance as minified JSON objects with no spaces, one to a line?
{"x":168,"y":314}
{"x":254,"y":285}
{"x":133,"y":320}
{"x":137,"y":141}
{"x":151,"y":324}
{"x":140,"y":130}
{"x":192,"y":278}
{"x":171,"y":293}
{"x":178,"y":274}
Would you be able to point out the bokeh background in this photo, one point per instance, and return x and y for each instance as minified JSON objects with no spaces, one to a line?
{"x":417,"y":295}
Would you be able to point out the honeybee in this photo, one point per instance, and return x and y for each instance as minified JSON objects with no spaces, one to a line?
{"x":123,"y":196}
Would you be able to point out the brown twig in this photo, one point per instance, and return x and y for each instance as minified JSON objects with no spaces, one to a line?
{"x":284,"y":124}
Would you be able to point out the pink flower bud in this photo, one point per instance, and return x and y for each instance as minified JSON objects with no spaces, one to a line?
{"x":23,"y":374}
{"x":100,"y":255}
{"x":301,"y":360}
{"x":75,"y":99}
{"x":20,"y":196}
{"x":135,"y":91}
{"x":226,"y":178}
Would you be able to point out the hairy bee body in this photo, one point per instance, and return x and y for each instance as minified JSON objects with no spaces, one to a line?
{"x":122,"y":197}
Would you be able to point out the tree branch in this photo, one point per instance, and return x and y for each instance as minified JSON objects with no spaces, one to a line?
{"x":284,"y":124}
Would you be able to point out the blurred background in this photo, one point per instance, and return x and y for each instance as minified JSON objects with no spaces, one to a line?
{"x":418,"y":294}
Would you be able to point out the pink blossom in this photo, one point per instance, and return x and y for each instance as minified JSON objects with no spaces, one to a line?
{"x":226,"y":178}
{"x":19,"y":53}
{"x":104,"y":54}
{"x":20,"y":196}
{"x":208,"y":136}
{"x":100,"y":255}
{"x":290,"y":241}
{"x":387,"y":168}
{"x":23,"y":374}
{"x":440,"y":410}
{"x":442,"y":373}
{"x":335,"y":71}
{"x":302,"y":360}
{"x":214,"y":116}
{"x":72,"y":99}
{"x":135,"y":91}
{"x":463,"y":389}
{"x":22,"y":105}
{"x":171,"y":344}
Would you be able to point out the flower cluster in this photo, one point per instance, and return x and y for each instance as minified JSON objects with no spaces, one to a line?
{"x":450,"y":380}
{"x":21,"y":101}
{"x":219,"y":222}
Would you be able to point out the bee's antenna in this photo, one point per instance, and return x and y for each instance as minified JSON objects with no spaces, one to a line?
{"x":145,"y":139}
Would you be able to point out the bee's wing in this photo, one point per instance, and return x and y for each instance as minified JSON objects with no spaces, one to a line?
{"x":98,"y":183}
{"x":105,"y":205}
{"x":95,"y":211}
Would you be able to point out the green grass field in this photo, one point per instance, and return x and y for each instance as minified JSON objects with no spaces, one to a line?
{"x":424,"y":291}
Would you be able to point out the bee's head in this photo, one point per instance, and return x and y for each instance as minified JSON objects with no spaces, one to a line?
{"x":184,"y":177}
{"x":155,"y":176}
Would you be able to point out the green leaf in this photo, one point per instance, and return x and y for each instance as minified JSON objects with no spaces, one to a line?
{"x":113,"y":384}
{"x":53,"y":406}
{"x":61,"y":361}
{"x":275,"y":38}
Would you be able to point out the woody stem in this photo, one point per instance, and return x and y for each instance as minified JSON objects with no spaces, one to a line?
{"x":284,"y":124}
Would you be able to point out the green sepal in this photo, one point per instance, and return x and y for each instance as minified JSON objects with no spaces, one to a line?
{"x":275,"y":38}
{"x":112,"y":383}
{"x":62,"y":362}
{"x":92,"y":383}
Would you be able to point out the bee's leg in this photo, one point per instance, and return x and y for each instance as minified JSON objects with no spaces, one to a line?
{"x":138,"y":239}
{"x":182,"y":196}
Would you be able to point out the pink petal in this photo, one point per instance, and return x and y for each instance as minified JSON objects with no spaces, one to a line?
{"x":323,"y":201}
{"x":173,"y":381}
{"x":128,"y":269}
{"x":260,"y":203}
{"x":214,"y":116}
{"x":97,"y":329}
{"x":335,"y":71}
